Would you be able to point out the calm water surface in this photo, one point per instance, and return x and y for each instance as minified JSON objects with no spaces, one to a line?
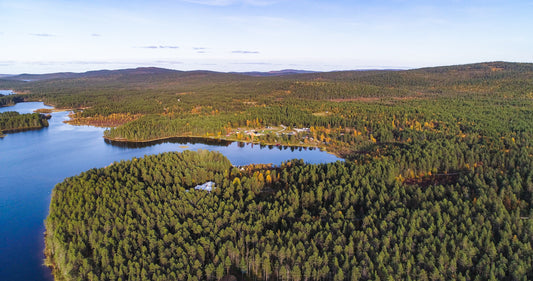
{"x":32,"y":162}
{"x":6,"y":92}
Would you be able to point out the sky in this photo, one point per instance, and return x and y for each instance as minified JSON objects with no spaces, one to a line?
{"x":260,"y":35}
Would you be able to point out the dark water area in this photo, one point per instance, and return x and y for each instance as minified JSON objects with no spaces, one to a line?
{"x":177,"y":140}
{"x":32,"y":162}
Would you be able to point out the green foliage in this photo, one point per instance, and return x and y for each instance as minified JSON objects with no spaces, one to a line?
{"x":12,"y":121}
{"x":437,"y":184}
{"x":349,"y":109}
{"x":141,"y":219}
{"x":367,"y":101}
{"x":10,"y":100}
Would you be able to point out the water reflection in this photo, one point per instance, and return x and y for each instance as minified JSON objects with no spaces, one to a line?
{"x":192,"y":141}
{"x":177,"y":140}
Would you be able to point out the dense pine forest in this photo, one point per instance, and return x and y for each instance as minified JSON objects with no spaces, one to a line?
{"x":10,"y":99}
{"x":13,"y":121}
{"x":142,"y":220}
{"x":437,"y":182}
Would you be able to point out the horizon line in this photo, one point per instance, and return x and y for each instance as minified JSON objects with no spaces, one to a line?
{"x":361,"y":68}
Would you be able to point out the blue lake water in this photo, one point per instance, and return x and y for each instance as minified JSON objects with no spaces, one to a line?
{"x":6,"y":92}
{"x":32,"y":162}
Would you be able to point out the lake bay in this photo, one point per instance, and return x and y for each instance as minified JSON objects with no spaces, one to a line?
{"x":32,"y":162}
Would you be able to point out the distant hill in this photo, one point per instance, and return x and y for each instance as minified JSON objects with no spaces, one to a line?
{"x":276,"y":72}
{"x":88,"y":89}
{"x":89,"y":74}
{"x":142,"y":71}
{"x":453,"y":72}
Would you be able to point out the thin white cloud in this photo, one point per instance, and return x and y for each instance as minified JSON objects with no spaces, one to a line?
{"x":200,"y":50}
{"x":233,"y":2}
{"x":258,"y":19}
{"x":159,"y":47}
{"x":244,"y":52}
{"x":42,"y":34}
{"x":211,"y":2}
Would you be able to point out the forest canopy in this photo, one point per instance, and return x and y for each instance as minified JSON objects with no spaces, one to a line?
{"x":13,"y":121}
{"x":143,"y":220}
{"x":437,"y":182}
{"x":344,"y":111}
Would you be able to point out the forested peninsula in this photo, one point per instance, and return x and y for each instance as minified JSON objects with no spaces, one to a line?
{"x":437,"y":182}
{"x":143,"y":220}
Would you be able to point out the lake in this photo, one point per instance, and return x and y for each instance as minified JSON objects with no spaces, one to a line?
{"x":6,"y":92}
{"x":32,"y":162}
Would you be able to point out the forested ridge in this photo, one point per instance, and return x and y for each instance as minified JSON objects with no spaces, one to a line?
{"x":13,"y":121}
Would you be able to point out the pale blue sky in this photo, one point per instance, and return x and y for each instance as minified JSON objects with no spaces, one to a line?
{"x":246,"y":35}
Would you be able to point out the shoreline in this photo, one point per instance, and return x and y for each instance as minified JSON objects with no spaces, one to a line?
{"x":147,"y":142}
{"x":18,"y":130}
{"x":13,"y":92}
{"x":5,"y":132}
{"x":54,"y":109}
{"x":169,"y":138}
{"x":49,"y":260}
{"x":164,"y":139}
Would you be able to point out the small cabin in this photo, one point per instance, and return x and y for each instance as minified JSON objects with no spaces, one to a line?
{"x":208,"y":186}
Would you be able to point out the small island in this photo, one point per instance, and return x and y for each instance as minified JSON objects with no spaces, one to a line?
{"x":12,"y":121}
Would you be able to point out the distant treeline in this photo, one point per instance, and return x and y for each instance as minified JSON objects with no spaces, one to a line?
{"x":157,"y":91}
{"x":347,"y":109}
